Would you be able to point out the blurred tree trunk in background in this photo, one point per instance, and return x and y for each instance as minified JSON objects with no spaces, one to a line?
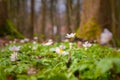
{"x":3,"y":13}
{"x":52,"y":11}
{"x":43,"y":21}
{"x":31,"y":29}
{"x":58,"y":24}
{"x":115,"y":7}
{"x":7,"y":28}
{"x":96,"y":15}
{"x":99,"y":14}
{"x":77,"y":17}
{"x":68,"y":15}
{"x":23,"y":23}
{"x":3,"y":17}
{"x":18,"y":14}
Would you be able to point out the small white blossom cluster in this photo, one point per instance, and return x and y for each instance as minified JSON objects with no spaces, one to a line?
{"x":86,"y":45}
{"x":35,"y":38}
{"x":24,"y":40}
{"x":71,"y":35}
{"x":10,"y":42}
{"x":14,"y":49}
{"x":50,"y":42}
{"x":105,"y":37}
{"x":60,"y":50}
{"x":27,"y":40}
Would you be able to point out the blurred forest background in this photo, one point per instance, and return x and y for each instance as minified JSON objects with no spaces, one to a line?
{"x":54,"y":18}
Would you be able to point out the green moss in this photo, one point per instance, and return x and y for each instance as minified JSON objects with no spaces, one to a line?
{"x":9,"y":30}
{"x":90,"y":31}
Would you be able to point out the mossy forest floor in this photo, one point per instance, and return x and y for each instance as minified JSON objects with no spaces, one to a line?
{"x":30,"y":60}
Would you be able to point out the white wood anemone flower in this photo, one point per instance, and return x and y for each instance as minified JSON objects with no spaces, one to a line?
{"x":26,"y":39}
{"x":14,"y":48}
{"x":62,"y":47}
{"x":50,"y":42}
{"x":22,"y":41}
{"x":59,"y":50}
{"x":105,"y":37}
{"x":13,"y":57}
{"x":71,"y":35}
{"x":35,"y":38}
{"x":86,"y":45}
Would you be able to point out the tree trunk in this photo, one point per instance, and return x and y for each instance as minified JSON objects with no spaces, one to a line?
{"x":3,"y":13}
{"x":77,"y":17}
{"x":32,"y":19}
{"x":52,"y":10}
{"x":68,"y":15}
{"x":96,"y":15}
{"x":6,"y":26}
{"x":43,"y":21}
{"x":21,"y":17}
{"x":115,"y":4}
{"x":3,"y":16}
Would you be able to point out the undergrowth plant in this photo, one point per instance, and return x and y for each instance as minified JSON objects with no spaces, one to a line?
{"x":35,"y":61}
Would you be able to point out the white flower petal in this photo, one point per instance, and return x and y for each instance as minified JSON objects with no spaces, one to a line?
{"x":71,"y":35}
{"x":22,"y":41}
{"x":14,"y":48}
{"x":87,"y":45}
{"x":50,"y":42}
{"x":60,"y":51}
{"x":105,"y":37}
{"x":26,"y":40}
{"x":35,"y":38}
